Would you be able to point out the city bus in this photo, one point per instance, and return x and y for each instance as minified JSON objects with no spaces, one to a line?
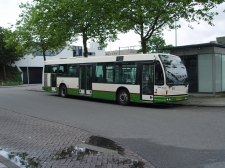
{"x":140,"y":78}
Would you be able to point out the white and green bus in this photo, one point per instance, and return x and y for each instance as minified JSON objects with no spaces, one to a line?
{"x":142,"y":78}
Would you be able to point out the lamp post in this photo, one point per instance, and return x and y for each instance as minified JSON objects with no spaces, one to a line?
{"x":28,"y":82}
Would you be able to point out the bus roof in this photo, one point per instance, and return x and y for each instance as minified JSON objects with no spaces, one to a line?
{"x":93,"y":59}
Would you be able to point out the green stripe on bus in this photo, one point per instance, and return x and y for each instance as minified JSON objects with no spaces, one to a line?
{"x":159,"y":99}
{"x":104,"y":95}
{"x":163,"y":99}
{"x":134,"y":97}
{"x":112,"y":96}
{"x":47,"y":89}
{"x":71,"y":91}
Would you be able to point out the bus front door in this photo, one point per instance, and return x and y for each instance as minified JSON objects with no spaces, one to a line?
{"x":85,"y":79}
{"x":147,"y":82}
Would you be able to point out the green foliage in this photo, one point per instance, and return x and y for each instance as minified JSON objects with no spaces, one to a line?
{"x":8,"y":51}
{"x":64,"y":20}
{"x":47,"y":25}
{"x":36,"y":32}
{"x":147,"y":18}
{"x":156,"y":44}
{"x":13,"y":76}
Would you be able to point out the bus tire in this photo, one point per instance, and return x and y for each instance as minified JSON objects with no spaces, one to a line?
{"x":63,"y":91}
{"x":123,"y":97}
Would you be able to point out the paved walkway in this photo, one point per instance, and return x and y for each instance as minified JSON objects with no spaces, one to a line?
{"x":41,"y":143}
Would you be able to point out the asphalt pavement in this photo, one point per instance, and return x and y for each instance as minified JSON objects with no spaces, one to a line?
{"x":108,"y":158}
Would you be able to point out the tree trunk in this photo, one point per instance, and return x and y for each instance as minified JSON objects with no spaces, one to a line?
{"x":43,"y":52}
{"x":143,"y":45}
{"x":85,"y":44}
{"x":143,"y":40}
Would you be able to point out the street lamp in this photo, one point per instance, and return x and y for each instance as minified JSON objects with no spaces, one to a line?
{"x":28,"y":82}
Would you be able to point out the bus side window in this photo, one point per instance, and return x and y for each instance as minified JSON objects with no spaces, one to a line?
{"x":62,"y":70}
{"x":54,"y":69}
{"x":47,"y":69}
{"x":104,"y":73}
{"x":99,"y":73}
{"x":125,"y":72}
{"x":72,"y":70}
{"x":109,"y":72}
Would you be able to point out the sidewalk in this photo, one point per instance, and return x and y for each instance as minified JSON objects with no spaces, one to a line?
{"x":203,"y":100}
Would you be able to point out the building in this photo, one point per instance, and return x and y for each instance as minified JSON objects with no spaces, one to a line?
{"x":121,"y":52}
{"x":205,"y":65}
{"x":31,"y":66}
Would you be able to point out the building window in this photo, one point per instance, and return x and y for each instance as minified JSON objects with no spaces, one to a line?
{"x":191,"y":64}
{"x":77,"y":51}
{"x":91,"y":53}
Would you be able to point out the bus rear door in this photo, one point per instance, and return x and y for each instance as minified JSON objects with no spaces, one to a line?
{"x":85,"y":79}
{"x":54,"y":70}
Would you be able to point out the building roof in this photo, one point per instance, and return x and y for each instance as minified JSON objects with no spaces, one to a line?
{"x":196,"y":46}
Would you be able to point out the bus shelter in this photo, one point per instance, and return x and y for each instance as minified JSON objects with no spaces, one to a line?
{"x":205,"y":65}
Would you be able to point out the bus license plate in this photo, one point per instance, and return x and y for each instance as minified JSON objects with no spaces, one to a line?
{"x":179,"y":98}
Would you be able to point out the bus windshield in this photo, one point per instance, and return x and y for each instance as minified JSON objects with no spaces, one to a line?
{"x":175,"y":70}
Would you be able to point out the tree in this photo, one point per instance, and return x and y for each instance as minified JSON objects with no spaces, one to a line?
{"x":36,"y":32}
{"x":147,"y":18}
{"x":90,"y":19}
{"x":8,"y":52}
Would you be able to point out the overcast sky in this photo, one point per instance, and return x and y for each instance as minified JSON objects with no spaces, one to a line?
{"x":202,"y":33}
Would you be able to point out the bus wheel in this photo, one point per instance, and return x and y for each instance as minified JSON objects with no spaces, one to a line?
{"x":63,"y":91}
{"x":123,"y":97}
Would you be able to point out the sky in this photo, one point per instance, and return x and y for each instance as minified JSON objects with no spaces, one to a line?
{"x":202,"y":33}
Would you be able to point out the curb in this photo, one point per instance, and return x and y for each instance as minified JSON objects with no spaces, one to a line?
{"x":199,"y":105}
{"x":6,"y":163}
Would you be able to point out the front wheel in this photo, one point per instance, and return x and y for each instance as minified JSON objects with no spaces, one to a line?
{"x":123,"y":97}
{"x":63,"y":91}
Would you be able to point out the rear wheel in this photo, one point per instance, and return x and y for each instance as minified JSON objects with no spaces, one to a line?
{"x":63,"y":91}
{"x":123,"y":97}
